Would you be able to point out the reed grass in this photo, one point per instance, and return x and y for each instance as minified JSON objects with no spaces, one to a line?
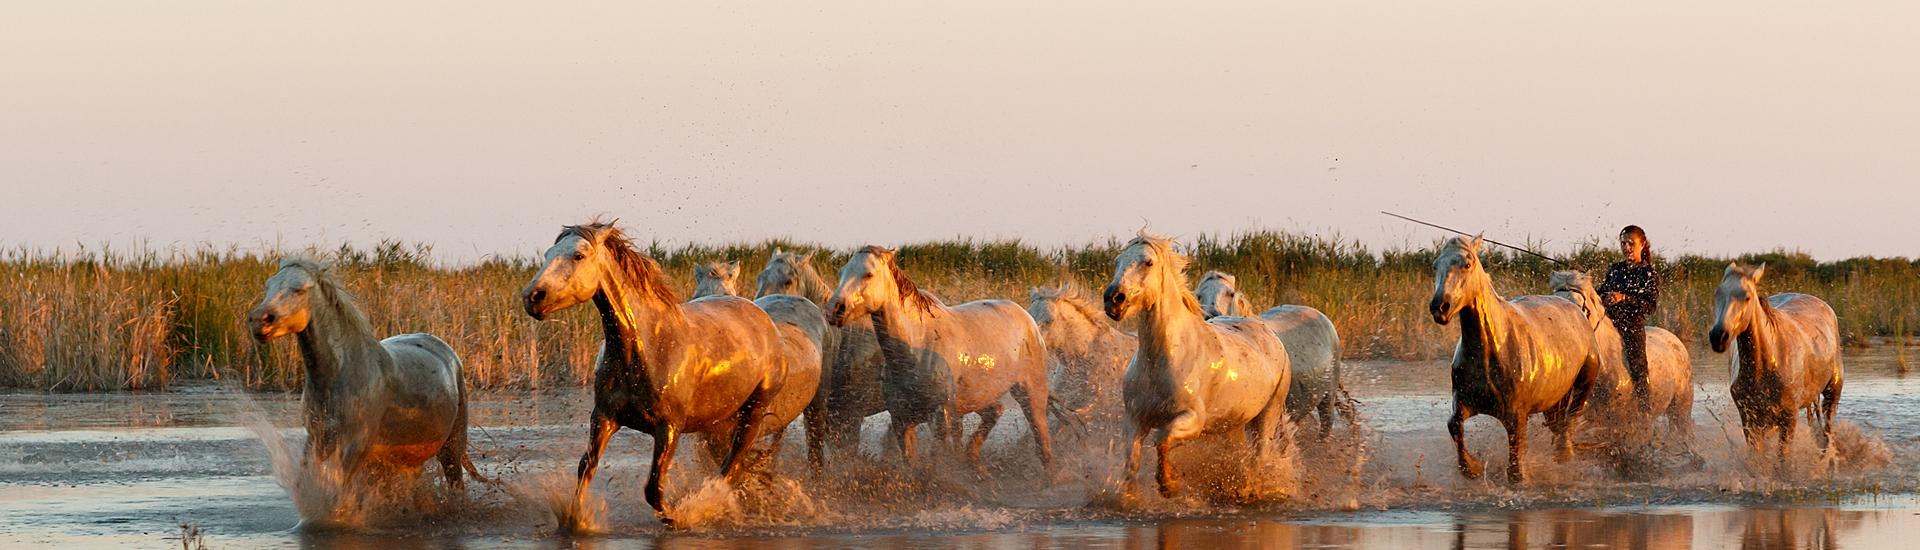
{"x":106,"y":320}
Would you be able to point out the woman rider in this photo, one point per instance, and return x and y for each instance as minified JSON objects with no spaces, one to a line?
{"x":1630,"y":292}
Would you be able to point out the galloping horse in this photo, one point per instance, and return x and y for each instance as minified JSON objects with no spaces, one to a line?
{"x":1313,"y":348}
{"x":1531,"y":354}
{"x":850,"y":355}
{"x":1669,"y":369}
{"x":944,"y":362}
{"x":1091,"y":351}
{"x":390,"y":403}
{"x":1191,"y":376}
{"x":1786,"y":353}
{"x":803,"y":331}
{"x":711,"y":366}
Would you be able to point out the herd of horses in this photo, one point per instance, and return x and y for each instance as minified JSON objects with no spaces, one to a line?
{"x":1166,"y":362}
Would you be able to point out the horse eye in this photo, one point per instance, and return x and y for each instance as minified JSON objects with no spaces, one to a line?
{"x":579,"y":256}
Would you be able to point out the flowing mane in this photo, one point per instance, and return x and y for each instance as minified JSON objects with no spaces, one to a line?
{"x":910,"y":293}
{"x":340,"y":302}
{"x":635,"y":269}
{"x":1071,"y":294}
{"x":1176,"y":266}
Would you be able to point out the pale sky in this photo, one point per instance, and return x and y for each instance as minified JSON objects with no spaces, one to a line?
{"x":1721,"y":125}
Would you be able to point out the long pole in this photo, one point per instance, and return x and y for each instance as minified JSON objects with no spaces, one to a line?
{"x":1465,"y":234}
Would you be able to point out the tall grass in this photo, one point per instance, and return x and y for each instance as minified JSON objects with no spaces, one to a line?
{"x":102,"y":320}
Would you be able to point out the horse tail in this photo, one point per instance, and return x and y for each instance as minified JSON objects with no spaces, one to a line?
{"x":460,"y":422}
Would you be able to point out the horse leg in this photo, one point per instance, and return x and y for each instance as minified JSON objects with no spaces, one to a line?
{"x":1260,"y":436}
{"x":988,"y":418}
{"x":903,"y":436}
{"x":1183,"y":426}
{"x":1561,"y":424}
{"x":1786,"y":436}
{"x":1032,"y":398}
{"x":1456,"y":427}
{"x":1137,"y":438}
{"x":1829,"y":401}
{"x":764,"y":461}
{"x":752,"y":418}
{"x":599,"y":430}
{"x":1516,"y":447}
{"x":665,"y":440}
{"x":816,"y":426}
{"x":1324,"y":409}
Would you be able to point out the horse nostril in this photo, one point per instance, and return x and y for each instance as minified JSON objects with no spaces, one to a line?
{"x":536,"y":296}
{"x":266,"y":318}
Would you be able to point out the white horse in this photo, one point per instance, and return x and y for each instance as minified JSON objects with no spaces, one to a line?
{"x":945,"y":362}
{"x":390,"y":403}
{"x":1669,"y":369}
{"x":1192,"y":376}
{"x":1516,"y":358}
{"x":1090,"y":351}
{"x":1786,"y":354}
{"x":1313,"y":347}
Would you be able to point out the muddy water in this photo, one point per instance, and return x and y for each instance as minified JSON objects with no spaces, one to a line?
{"x":123,"y":470}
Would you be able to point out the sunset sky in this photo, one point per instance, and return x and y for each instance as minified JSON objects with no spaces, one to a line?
{"x":481,"y":127}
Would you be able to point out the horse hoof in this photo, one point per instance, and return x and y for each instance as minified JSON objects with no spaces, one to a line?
{"x":1471,"y":469}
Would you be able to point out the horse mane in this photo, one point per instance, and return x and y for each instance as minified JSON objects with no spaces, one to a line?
{"x":1176,"y":265}
{"x":635,"y":269}
{"x":811,"y":284}
{"x":910,"y":293}
{"x":341,"y":301}
{"x":1071,"y":294}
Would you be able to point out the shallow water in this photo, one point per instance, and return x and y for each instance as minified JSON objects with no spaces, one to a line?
{"x":112,"y":470}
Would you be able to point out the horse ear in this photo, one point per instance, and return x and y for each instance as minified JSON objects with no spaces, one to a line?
{"x":1759,"y":271}
{"x":1478,"y":239}
{"x":806,"y":258}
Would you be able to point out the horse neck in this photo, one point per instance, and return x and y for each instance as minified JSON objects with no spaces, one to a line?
{"x":901,"y":329}
{"x":812,"y":286}
{"x":1759,"y":345}
{"x":639,"y":331}
{"x":339,"y":359}
{"x":1164,"y":325}
{"x":1485,"y":316}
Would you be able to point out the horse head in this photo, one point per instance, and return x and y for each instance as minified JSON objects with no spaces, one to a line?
{"x":1456,"y":272}
{"x":1219,"y":294}
{"x":1735,"y":304}
{"x":287,"y":307}
{"x":716,"y":279}
{"x":871,"y":281}
{"x":1147,"y":271}
{"x":1577,"y":287}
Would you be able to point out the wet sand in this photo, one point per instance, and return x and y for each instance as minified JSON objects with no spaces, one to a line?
{"x":117,"y":470}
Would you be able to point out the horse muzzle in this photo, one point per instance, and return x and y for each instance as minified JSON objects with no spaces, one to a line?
{"x":1441,"y":313}
{"x":260,"y":324}
{"x":1717,"y":338}
{"x":1113,"y":301}
{"x":533,"y":300}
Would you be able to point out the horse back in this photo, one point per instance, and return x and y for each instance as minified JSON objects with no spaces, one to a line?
{"x":1811,"y":333}
{"x":423,"y":396}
